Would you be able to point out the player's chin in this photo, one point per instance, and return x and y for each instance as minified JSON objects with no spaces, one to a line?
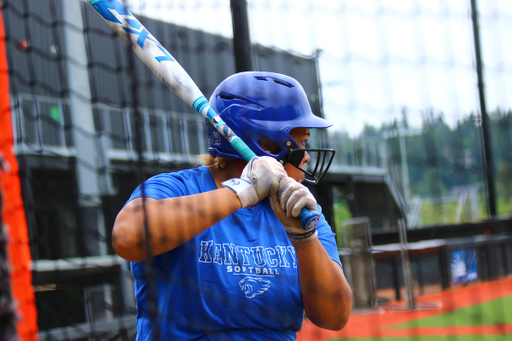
{"x":297,"y":176}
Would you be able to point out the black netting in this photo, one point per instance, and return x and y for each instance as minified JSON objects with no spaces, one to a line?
{"x":400,"y":84}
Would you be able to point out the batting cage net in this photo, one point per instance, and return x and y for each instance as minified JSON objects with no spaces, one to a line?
{"x":419,"y":193}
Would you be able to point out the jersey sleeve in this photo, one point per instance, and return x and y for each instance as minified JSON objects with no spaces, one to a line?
{"x":327,"y":238}
{"x":161,"y":186}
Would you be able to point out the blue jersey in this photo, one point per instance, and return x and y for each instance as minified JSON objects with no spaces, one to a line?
{"x":238,"y":280}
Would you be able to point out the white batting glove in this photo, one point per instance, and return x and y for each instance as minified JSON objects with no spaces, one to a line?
{"x":293,"y":197}
{"x":260,"y":178}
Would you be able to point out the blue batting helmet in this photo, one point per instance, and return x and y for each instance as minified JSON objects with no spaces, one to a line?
{"x":258,"y":105}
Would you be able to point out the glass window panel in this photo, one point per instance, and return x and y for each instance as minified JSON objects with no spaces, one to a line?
{"x":54,"y":215}
{"x":68,"y":125}
{"x":29,"y":121}
{"x":99,"y":302}
{"x":157,"y":133}
{"x":176,"y":135}
{"x":99,"y":125}
{"x":117,"y":129}
{"x":138,"y":129}
{"x":51,"y":128}
{"x":193,"y":137}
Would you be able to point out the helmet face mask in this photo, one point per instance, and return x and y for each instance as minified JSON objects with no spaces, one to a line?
{"x":267,"y":106}
{"x":316,"y":168}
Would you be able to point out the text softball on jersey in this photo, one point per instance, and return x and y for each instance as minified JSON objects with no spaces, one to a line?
{"x":243,"y":260}
{"x":253,"y":263}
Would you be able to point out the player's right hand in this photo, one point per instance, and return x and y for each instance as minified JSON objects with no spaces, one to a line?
{"x":260,"y":178}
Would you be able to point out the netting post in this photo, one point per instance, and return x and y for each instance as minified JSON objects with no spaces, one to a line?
{"x":485,"y":129}
{"x":406,"y":266}
{"x":241,"y":36}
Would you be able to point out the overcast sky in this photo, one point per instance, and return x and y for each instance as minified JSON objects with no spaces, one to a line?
{"x":378,"y":56}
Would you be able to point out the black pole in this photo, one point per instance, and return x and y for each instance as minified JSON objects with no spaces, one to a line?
{"x":241,"y":39}
{"x":486,"y":141}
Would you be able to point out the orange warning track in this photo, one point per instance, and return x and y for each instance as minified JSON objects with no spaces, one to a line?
{"x":377,"y":323}
{"x":460,"y":330}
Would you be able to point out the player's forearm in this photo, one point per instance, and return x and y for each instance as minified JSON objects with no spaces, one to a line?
{"x":326,"y":295}
{"x":170,"y":222}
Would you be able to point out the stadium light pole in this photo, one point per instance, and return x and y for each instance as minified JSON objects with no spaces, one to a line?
{"x":486,"y":141}
{"x":242,"y":46}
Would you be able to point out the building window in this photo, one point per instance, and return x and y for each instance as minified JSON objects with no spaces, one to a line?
{"x":43,"y":122}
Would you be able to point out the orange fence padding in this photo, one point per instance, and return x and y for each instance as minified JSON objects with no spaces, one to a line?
{"x":13,"y":212}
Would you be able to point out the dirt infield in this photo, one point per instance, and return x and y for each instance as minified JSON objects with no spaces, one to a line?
{"x":379,"y":322}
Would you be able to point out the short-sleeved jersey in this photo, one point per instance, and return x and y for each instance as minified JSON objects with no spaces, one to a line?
{"x":237,"y":280}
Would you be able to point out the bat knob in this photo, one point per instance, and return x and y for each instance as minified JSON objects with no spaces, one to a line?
{"x":308,"y":219}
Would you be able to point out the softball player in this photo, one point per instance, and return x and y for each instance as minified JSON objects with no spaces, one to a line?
{"x":229,"y":260}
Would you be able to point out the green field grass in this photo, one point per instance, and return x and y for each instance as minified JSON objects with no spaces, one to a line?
{"x":435,"y":338}
{"x":485,"y":314}
{"x":496,"y":312}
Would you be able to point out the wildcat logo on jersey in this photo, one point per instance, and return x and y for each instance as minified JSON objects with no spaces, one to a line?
{"x":252,"y":286}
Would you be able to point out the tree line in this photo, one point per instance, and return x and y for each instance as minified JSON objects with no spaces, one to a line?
{"x":441,"y":159}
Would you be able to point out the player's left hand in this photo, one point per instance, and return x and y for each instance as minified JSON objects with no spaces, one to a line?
{"x":294,"y":196}
{"x":290,"y":199}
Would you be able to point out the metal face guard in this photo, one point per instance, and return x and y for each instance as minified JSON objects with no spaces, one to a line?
{"x":317,"y":167}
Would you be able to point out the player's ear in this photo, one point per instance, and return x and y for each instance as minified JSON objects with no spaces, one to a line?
{"x":269,"y":146}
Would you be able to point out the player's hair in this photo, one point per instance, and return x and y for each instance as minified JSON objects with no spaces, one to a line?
{"x":214,"y":162}
{"x":220,"y":162}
